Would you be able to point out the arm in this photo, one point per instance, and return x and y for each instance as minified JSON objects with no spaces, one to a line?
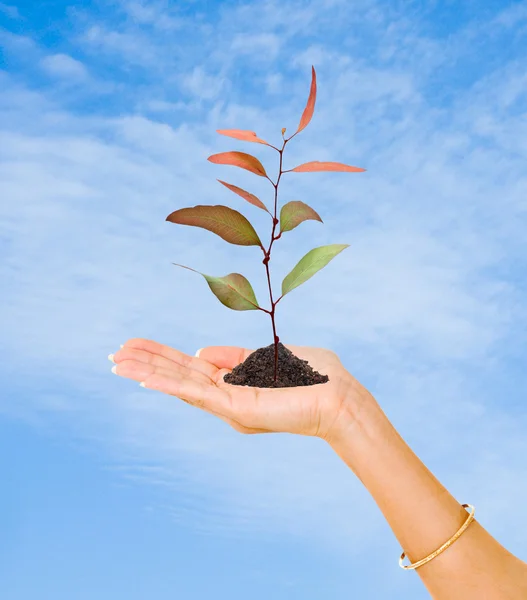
{"x":422,"y":513}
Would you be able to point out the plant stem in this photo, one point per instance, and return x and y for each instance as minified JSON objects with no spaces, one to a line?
{"x":266,"y":263}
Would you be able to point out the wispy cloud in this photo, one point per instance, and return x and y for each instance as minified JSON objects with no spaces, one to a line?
{"x":203,"y":85}
{"x":117,"y":43}
{"x":10,"y":11}
{"x":62,"y":65}
{"x":264,"y":46}
{"x":425,"y":307}
{"x":154,"y":14}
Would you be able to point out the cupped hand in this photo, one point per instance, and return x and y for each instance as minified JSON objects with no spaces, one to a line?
{"x":308,"y":410}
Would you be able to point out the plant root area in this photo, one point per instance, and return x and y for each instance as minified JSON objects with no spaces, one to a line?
{"x":258,"y":370}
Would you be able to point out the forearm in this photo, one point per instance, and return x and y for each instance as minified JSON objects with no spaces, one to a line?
{"x":423,"y":514}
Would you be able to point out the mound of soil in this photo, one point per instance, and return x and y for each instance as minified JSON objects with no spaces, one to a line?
{"x":258,"y":370}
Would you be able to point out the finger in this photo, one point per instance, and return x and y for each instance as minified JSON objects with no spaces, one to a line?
{"x":156,"y":360}
{"x":128,"y":360}
{"x":232,"y":422}
{"x":224,"y":357}
{"x":139,"y":371}
{"x":176,"y":356}
{"x":195,"y":391}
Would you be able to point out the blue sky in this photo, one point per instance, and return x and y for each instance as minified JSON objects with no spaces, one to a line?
{"x":108,"y":111}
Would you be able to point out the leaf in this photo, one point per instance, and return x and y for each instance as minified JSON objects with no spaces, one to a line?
{"x":229,"y":224}
{"x":312,"y":262}
{"x":232,"y":290}
{"x":295,"y":212}
{"x":245,"y":195}
{"x":242,"y":134}
{"x":316,"y":165}
{"x":310,"y":106}
{"x":239,"y":159}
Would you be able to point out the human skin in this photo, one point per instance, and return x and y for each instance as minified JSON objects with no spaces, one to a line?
{"x":420,"y":511}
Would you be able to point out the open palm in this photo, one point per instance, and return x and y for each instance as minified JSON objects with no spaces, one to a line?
{"x":308,"y":410}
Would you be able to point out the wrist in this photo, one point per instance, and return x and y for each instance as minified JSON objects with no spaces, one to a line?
{"x":360,"y":426}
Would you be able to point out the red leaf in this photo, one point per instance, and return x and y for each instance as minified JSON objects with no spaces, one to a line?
{"x":316,"y":165}
{"x":242,"y":134}
{"x":245,"y":195}
{"x":239,"y":159}
{"x":229,"y":224}
{"x":310,"y":106}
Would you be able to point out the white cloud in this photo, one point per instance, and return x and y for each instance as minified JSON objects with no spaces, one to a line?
{"x":274,"y":83}
{"x":509,"y":17}
{"x":10,"y":10}
{"x":62,"y":65}
{"x":203,"y":85}
{"x":420,"y":307}
{"x":264,"y":46}
{"x":134,"y":48}
{"x":22,"y":45}
{"x":164,"y":106}
{"x":152,"y":13}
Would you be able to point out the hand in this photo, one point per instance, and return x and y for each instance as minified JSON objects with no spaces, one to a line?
{"x":308,"y":410}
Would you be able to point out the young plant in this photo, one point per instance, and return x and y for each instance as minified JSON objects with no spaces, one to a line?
{"x":234,"y":290}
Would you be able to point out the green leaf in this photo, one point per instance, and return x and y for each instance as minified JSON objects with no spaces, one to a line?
{"x":229,"y":224}
{"x":233,"y":290}
{"x":295,"y":212}
{"x":312,"y":262}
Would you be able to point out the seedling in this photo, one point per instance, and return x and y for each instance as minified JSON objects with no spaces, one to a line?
{"x":234,"y":290}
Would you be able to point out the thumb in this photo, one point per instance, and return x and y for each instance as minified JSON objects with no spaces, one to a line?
{"x":224,"y":357}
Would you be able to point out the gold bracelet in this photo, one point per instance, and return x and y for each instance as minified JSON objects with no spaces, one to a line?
{"x":421,"y":562}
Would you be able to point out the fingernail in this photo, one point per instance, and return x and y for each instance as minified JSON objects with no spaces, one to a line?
{"x":197,"y":352}
{"x":110,"y":358}
{"x":114,"y":370}
{"x":142,"y":384}
{"x":121,"y":346}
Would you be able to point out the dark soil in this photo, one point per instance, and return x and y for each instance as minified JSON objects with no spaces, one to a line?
{"x":258,"y":370}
